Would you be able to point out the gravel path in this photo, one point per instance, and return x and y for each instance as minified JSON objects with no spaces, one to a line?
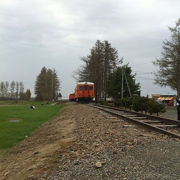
{"x":109,"y":148}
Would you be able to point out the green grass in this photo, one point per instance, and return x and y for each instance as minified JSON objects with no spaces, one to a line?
{"x":13,"y":132}
{"x":19,"y":102}
{"x":13,"y":102}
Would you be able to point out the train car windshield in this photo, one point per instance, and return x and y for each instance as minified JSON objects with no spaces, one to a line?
{"x":81,"y":88}
{"x":90,"y":88}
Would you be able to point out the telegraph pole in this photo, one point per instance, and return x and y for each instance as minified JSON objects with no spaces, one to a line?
{"x":178,"y":78}
{"x":178,"y":93}
{"x":127,"y":84}
{"x":122,"y":85}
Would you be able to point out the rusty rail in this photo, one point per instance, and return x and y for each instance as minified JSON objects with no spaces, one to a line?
{"x":138,"y":119}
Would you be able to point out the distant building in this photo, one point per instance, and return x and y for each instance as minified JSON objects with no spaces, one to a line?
{"x":155,"y":96}
{"x":59,"y":97}
{"x":169,"y":100}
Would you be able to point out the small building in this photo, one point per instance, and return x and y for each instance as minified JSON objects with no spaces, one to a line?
{"x":155,"y":96}
{"x":169,"y":100}
{"x":59,"y":97}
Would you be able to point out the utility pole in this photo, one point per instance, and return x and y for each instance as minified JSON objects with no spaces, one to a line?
{"x":122,"y":85}
{"x":178,"y":78}
{"x":178,"y":91}
{"x":127,"y":84}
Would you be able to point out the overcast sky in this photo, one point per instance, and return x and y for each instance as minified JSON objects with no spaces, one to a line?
{"x":57,"y":33}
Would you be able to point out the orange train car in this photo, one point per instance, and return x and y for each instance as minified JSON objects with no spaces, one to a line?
{"x":72,"y":97}
{"x":84,"y":91}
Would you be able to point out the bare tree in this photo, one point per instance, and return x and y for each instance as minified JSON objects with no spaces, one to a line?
{"x":7,"y":89}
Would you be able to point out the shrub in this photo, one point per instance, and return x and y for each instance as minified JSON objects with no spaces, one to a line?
{"x":128,"y":102}
{"x":140,"y":104}
{"x":105,"y":103}
{"x":155,"y":107}
{"x":118,"y":103}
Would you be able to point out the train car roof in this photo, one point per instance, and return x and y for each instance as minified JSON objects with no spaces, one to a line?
{"x":85,"y":83}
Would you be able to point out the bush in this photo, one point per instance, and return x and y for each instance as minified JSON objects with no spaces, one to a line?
{"x":118,"y":103}
{"x":155,"y":107}
{"x":128,"y":102}
{"x":105,"y":103}
{"x":140,"y":104}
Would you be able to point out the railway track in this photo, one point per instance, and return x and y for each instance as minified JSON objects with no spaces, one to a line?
{"x":162,"y":125}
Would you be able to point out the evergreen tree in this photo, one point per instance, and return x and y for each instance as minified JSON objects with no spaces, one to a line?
{"x":40,"y":86}
{"x":55,"y":84}
{"x":47,"y":85}
{"x":169,"y":64}
{"x":130,"y":87}
{"x":28,"y":94}
{"x":98,"y":66}
{"x":2,"y":89}
{"x":21,"y":91}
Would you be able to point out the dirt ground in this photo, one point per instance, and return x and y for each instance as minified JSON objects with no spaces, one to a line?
{"x":86,"y":143}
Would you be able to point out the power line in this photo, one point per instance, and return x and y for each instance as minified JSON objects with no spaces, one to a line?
{"x":144,"y":78}
{"x":141,"y":73}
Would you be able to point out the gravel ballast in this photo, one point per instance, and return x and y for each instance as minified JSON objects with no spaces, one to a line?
{"x":109,"y":148}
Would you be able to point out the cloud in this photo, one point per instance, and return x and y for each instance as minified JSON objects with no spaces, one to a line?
{"x":57,"y":33}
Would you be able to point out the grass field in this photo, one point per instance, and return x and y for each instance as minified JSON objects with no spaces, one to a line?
{"x":25,"y":120}
{"x":14,"y":102}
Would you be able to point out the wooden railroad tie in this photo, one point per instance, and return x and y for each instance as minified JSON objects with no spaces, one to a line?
{"x":167,"y":126}
{"x":151,"y":121}
{"x":141,"y":117}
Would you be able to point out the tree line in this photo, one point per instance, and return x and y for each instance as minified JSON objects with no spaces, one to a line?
{"x":14,"y":91}
{"x":46,"y":88}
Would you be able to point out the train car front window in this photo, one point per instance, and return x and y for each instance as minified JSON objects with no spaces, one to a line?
{"x":81,"y":88}
{"x":90,"y":88}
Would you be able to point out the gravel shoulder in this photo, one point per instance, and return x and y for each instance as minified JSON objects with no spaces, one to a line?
{"x":86,"y":143}
{"x":123,"y":150}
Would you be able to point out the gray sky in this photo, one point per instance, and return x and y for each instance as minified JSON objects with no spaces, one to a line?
{"x":57,"y":33}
